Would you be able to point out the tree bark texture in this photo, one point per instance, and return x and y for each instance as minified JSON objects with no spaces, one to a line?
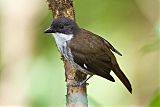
{"x":76,"y":96}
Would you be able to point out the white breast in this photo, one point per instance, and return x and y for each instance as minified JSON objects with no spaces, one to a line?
{"x":61,"y":41}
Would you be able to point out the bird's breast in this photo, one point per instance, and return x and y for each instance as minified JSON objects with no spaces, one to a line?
{"x":62,"y":41}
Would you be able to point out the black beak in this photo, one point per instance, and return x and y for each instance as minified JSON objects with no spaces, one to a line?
{"x":49,"y":30}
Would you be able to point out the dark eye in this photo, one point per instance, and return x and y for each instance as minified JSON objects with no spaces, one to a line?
{"x":61,"y":27}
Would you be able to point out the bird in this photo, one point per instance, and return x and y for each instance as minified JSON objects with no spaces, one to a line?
{"x":86,"y":51}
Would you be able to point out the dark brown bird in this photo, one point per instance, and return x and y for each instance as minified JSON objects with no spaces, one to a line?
{"x":86,"y":51}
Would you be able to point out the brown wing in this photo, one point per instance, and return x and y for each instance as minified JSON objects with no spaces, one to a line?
{"x":111,"y":47}
{"x":90,"y":53}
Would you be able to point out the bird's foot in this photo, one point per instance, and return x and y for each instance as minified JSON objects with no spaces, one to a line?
{"x":82,"y":83}
{"x":78,"y":84}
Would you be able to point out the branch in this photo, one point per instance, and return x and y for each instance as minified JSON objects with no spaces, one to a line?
{"x":62,"y":8}
{"x":76,"y":96}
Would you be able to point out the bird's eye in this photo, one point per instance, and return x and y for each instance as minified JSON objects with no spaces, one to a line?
{"x":61,"y":27}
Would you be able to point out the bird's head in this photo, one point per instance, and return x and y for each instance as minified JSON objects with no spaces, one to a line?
{"x":62,"y":25}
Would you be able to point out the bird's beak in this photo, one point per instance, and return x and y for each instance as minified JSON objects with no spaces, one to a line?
{"x":49,"y":30}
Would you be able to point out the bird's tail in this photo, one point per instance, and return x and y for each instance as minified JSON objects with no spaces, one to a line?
{"x":122,"y":77}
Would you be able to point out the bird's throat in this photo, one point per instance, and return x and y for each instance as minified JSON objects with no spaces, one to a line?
{"x":62,"y":40}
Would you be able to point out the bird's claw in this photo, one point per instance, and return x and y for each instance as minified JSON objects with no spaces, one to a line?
{"x":77,"y":84}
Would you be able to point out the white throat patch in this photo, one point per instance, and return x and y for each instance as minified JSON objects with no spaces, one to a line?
{"x":61,"y":40}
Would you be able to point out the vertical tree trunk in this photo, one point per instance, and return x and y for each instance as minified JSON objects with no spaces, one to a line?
{"x":76,"y":96}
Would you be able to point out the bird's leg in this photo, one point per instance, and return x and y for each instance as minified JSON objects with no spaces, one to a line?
{"x":80,"y":83}
{"x":84,"y":81}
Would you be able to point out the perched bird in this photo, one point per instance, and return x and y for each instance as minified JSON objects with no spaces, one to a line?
{"x":86,"y":51}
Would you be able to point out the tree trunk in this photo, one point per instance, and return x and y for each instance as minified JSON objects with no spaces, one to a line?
{"x":76,"y":96}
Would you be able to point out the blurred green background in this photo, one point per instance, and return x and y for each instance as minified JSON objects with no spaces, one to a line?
{"x":32,"y":74}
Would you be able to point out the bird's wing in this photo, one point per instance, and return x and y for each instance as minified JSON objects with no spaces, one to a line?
{"x":89,"y":54}
{"x":111,"y":47}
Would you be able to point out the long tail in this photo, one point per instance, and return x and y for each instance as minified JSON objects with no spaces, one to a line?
{"x":122,"y":77}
